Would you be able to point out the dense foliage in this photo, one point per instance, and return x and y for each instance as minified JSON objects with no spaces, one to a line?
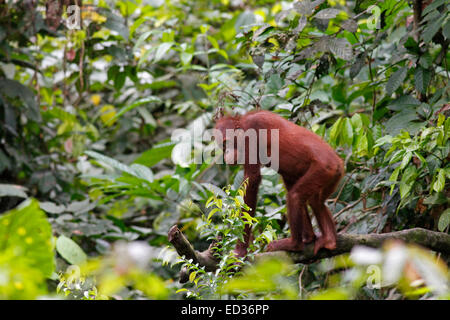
{"x":91,"y":99}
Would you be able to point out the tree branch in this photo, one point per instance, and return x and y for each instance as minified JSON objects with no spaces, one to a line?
{"x":184,"y":248}
{"x":436,"y":241}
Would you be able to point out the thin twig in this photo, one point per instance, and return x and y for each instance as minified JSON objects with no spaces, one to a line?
{"x":348,"y":207}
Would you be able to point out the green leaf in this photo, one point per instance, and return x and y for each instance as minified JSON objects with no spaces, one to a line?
{"x":274,"y":83}
{"x":192,"y":276}
{"x":432,"y":6}
{"x":12,"y":190}
{"x":394,"y":177}
{"x":361,"y":5}
{"x":396,"y":80}
{"x":70,"y":250}
{"x":50,"y":207}
{"x":383,"y":140}
{"x":306,"y":7}
{"x":446,"y":30}
{"x":145,"y":56}
{"x":362,"y":145}
{"x":341,"y":48}
{"x":110,"y":162}
{"x":404,"y":102}
{"x":411,"y":45}
{"x":406,"y":159}
{"x":439,"y":183}
{"x":114,"y":22}
{"x":421,"y":158}
{"x":5,"y":162}
{"x":156,"y":154}
{"x":432,"y":27}
{"x":328,"y":13}
{"x":397,"y":156}
{"x":186,"y":58}
{"x":426,"y":61}
{"x":142,"y":172}
{"x":212,"y":212}
{"x":26,"y":233}
{"x":163,"y":48}
{"x":213,"y":42}
{"x":215,"y":190}
{"x":335,"y":131}
{"x":138,"y":103}
{"x":444,"y":220}
{"x":112,"y":72}
{"x":405,"y":120}
{"x":245,"y":18}
{"x":356,"y":67}
{"x":15,"y":89}
{"x":60,"y":114}
{"x":437,"y":198}
{"x":422,"y":79}
{"x":350,"y":25}
{"x":142,"y":38}
{"x":332,"y":294}
{"x":407,"y":181}
{"x":347,"y":132}
{"x":119,"y":80}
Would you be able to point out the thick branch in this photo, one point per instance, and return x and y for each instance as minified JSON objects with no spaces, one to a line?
{"x":184,"y":248}
{"x":436,"y":241}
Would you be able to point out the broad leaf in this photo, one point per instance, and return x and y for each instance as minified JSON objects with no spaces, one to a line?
{"x":12,"y":190}
{"x":328,"y":13}
{"x":70,"y":250}
{"x":341,"y":48}
{"x":156,"y":154}
{"x":396,"y":80}
{"x":422,"y":79}
{"x":444,"y":220}
{"x":26,"y":233}
{"x":14,"y":89}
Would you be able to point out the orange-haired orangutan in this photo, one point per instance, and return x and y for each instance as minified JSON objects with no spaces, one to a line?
{"x":310,"y":169}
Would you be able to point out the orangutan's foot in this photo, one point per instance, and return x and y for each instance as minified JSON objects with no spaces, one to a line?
{"x":324,"y":242}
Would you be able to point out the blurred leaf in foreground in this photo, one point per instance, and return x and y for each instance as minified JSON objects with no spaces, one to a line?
{"x":26,"y":252}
